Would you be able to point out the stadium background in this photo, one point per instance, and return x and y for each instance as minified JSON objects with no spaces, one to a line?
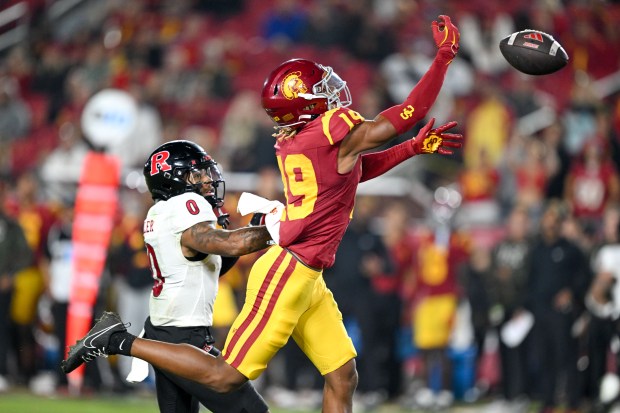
{"x":196,"y":68}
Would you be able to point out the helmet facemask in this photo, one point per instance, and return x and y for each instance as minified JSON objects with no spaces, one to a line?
{"x":206,"y":180}
{"x":332,"y":88}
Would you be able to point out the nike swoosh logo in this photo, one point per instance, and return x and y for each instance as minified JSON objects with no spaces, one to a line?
{"x":121,"y":346}
{"x":88,"y":341}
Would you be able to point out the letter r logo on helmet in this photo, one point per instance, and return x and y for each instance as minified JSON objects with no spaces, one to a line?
{"x":158,"y":162}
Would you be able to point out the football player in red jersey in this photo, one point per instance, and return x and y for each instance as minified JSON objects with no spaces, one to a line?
{"x":320,"y":149}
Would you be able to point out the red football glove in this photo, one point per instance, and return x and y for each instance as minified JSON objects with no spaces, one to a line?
{"x":446,"y":35}
{"x":435,"y":140}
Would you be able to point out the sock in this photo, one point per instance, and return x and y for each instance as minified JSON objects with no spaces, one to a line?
{"x":120,"y":343}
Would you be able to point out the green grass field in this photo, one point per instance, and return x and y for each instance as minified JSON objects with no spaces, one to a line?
{"x":27,"y":403}
{"x":23,"y":402}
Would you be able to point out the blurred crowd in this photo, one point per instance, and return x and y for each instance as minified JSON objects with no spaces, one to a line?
{"x":438,"y":286}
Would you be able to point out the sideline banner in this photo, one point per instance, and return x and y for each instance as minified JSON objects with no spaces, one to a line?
{"x":95,"y":208}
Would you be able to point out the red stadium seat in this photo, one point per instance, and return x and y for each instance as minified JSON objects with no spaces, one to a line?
{"x":28,"y":152}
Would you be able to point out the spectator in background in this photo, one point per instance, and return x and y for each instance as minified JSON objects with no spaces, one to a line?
{"x":368,"y":290}
{"x":78,"y":92}
{"x":323,"y":29}
{"x":95,"y":66}
{"x":398,"y":241}
{"x":489,"y":126}
{"x":479,"y":185}
{"x":485,"y":28}
{"x":506,"y":290}
{"x":179,"y":81}
{"x":15,"y":256}
{"x":285,"y":22}
{"x":439,"y":257}
{"x":50,"y":74}
{"x":592,"y":183}
{"x":222,"y":8}
{"x":56,"y":266}
{"x":530,"y":174}
{"x":62,"y":167}
{"x":147,"y":132}
{"x":15,"y":118}
{"x":603,"y":302}
{"x":345,"y":278}
{"x":523,"y":96}
{"x":474,"y":279}
{"x":371,"y":39}
{"x":19,"y":66}
{"x":35,"y":218}
{"x":130,"y":268}
{"x":557,"y":159}
{"x":144,"y":49}
{"x":592,"y":39}
{"x":241,"y":139}
{"x":579,"y":118}
{"x":601,"y":298}
{"x":614,"y":133}
{"x":555,"y":288}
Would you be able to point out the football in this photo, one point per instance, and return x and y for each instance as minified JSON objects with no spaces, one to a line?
{"x":533,"y":52}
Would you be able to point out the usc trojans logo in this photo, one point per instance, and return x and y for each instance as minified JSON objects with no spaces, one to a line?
{"x":292,"y":85}
{"x":407,"y":112}
{"x":432,"y":143}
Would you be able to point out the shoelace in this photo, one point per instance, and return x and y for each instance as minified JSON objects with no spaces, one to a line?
{"x":94,"y":354}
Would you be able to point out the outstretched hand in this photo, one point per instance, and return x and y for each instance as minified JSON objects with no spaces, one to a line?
{"x":430,"y":140}
{"x":446,"y":35}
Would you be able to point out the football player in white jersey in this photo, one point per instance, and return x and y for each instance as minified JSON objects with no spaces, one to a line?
{"x":187,"y":253}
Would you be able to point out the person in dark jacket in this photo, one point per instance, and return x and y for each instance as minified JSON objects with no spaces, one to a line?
{"x":15,"y":255}
{"x":557,"y":281}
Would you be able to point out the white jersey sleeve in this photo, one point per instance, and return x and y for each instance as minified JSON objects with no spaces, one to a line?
{"x":189,"y":209}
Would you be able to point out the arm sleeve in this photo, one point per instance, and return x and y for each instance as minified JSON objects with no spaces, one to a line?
{"x":227,"y":264}
{"x":421,"y":98}
{"x":377,"y":163}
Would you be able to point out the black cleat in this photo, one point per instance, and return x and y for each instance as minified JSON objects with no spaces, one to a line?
{"x":95,"y":344}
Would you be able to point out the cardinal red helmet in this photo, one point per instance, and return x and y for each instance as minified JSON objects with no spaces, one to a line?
{"x":299,"y":90}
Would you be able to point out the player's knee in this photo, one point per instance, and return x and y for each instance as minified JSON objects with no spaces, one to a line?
{"x":223,"y":379}
{"x":229,"y":384}
{"x":344,"y":379}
